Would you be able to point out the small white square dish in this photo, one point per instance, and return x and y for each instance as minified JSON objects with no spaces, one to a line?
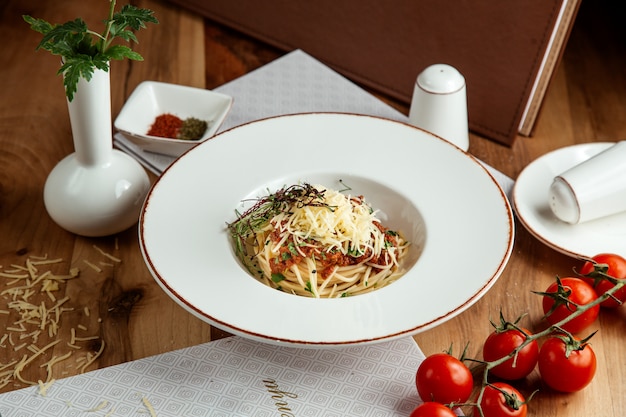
{"x":152,"y":99}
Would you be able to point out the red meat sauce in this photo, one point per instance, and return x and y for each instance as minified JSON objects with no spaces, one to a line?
{"x":325,"y":260}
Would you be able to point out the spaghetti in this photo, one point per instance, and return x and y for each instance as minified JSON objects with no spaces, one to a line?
{"x":312,"y":241}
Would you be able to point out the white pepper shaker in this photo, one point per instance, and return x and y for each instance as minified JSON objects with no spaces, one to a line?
{"x":439,"y":104}
{"x":592,"y":189}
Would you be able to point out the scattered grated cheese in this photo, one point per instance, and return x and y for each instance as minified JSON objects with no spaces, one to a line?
{"x":44,"y":387}
{"x":107,"y":255}
{"x":55,"y":360}
{"x":19,"y":347}
{"x":17,"y":329}
{"x":92,"y":266}
{"x":85,"y":339}
{"x":27,"y":360}
{"x":25,"y":319}
{"x":13,"y":275}
{"x":99,"y":407}
{"x":149,"y":407}
{"x":92,"y":358}
{"x":40,"y":278}
{"x":44,"y":261}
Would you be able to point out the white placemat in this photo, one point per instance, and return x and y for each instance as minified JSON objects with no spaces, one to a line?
{"x":294,"y":83}
{"x":238,"y":377}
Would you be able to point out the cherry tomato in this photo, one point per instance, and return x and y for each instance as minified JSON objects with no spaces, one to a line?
{"x":616,"y":268}
{"x":495,"y":404}
{"x":578,"y":292}
{"x":566,"y":373}
{"x":501,"y":343}
{"x":444,"y":379}
{"x":432,"y":409}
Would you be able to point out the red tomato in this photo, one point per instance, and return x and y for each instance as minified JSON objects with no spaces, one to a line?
{"x":501,"y":343}
{"x":566,"y":373}
{"x":616,"y":269}
{"x":495,"y":404}
{"x":444,"y":379}
{"x":432,"y":409}
{"x":578,"y":292}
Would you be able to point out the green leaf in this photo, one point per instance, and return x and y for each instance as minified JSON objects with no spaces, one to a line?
{"x":38,"y":25}
{"x":277,"y":277}
{"x":72,"y":32}
{"x":292,"y":248}
{"x":61,"y":49}
{"x":126,"y":35}
{"x":121,"y":51}
{"x":134,"y":17}
{"x":101,"y":61}
{"x":73,"y":69}
{"x":80,"y":66}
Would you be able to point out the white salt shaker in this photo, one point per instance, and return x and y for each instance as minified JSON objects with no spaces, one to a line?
{"x":592,"y":189}
{"x":439,"y":104}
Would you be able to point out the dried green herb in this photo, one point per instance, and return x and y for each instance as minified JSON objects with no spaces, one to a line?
{"x":192,"y":129}
{"x":267,"y":207}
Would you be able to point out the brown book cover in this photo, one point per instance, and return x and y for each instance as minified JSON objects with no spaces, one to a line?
{"x":507,"y":50}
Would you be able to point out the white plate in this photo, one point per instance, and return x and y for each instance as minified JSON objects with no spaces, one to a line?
{"x":440,"y":197}
{"x":530,"y":198}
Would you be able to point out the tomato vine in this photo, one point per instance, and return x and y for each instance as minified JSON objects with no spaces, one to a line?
{"x":556,"y":330}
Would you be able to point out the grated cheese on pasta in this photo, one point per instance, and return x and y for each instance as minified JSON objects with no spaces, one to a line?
{"x":348,"y":226}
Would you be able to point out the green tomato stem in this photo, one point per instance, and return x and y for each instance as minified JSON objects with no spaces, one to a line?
{"x":580,"y":309}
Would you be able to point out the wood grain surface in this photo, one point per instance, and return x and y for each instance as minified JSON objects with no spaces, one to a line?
{"x":119,"y":304}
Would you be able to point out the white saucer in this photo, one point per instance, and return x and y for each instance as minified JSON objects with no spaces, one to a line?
{"x":530,"y":200}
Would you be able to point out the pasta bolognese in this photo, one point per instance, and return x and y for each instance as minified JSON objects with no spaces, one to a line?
{"x":312,"y":241}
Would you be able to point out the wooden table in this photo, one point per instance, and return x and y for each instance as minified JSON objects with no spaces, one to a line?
{"x":122,"y":305}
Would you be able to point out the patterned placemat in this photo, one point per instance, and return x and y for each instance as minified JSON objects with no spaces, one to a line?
{"x":238,"y":377}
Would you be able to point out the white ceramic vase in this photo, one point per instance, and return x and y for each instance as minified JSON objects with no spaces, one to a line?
{"x":97,"y":190}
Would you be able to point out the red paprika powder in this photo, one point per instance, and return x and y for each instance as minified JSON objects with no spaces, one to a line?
{"x":166,"y":126}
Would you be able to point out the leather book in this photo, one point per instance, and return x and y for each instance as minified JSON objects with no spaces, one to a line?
{"x":506,"y":50}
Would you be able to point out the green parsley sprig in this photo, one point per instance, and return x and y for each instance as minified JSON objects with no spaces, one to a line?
{"x":84,"y":50}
